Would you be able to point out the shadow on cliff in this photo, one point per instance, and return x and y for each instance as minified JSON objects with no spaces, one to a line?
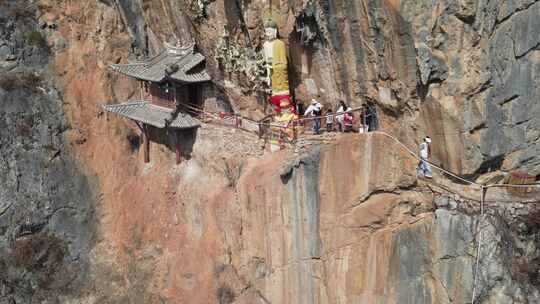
{"x":168,"y":140}
{"x":523,"y":263}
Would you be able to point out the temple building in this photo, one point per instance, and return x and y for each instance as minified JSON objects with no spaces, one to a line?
{"x":171,"y":85}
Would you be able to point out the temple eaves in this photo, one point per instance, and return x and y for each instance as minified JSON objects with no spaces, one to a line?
{"x":154,"y":115}
{"x":181,"y":64}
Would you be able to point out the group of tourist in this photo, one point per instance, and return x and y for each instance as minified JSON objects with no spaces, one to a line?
{"x":342,"y":121}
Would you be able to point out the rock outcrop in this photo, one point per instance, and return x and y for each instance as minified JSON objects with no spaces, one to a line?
{"x":337,"y":219}
{"x":478,"y":63}
{"x":47,"y":224}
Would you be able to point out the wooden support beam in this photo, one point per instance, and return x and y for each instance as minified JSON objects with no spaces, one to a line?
{"x":139,"y":126}
{"x":263,"y":129}
{"x":178,"y":148}
{"x":146,"y":144}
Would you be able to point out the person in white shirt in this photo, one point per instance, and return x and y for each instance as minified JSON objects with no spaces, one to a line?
{"x":424,"y":168}
{"x":314,"y":110}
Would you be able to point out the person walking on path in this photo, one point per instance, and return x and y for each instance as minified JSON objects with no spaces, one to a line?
{"x":314,"y":110}
{"x":299,"y":107}
{"x":424,"y":169}
{"x":371,"y":117}
{"x":342,"y":108}
{"x":329,"y":121}
{"x":348,"y":120}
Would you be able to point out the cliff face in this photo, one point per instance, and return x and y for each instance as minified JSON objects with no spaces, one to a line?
{"x":335,"y":226}
{"x":478,"y":63}
{"x":343,"y":219}
{"x":47,"y":220}
{"x":452,"y":70}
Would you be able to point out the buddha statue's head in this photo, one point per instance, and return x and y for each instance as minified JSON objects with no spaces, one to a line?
{"x":270,"y":29}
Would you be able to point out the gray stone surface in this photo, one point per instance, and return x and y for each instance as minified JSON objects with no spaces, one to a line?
{"x":512,"y":104}
{"x":434,"y":262}
{"x":46,"y":203}
{"x":303,"y":187}
{"x":479,"y":61}
{"x":410,"y":262}
{"x":453,"y":259}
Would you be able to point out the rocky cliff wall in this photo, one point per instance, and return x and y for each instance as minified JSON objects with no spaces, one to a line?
{"x":343,"y":221}
{"x":331,"y":234}
{"x":47,"y":223}
{"x":452,"y":70}
{"x":478,"y":68}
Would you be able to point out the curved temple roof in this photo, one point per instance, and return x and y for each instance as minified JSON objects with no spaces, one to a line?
{"x":145,"y":112}
{"x":183,"y":63}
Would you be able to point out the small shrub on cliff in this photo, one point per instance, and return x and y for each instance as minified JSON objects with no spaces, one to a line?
{"x":40,"y":254}
{"x":35,"y":38}
{"x":20,"y":80}
{"x":225,"y":295}
{"x":526,"y":267}
{"x":232,"y":170}
{"x":526,"y":271}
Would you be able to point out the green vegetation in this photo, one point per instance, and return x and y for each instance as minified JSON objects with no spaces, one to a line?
{"x":35,"y":38}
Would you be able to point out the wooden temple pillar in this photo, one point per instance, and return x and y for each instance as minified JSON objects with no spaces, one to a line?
{"x":146,"y":140}
{"x":178,"y":147}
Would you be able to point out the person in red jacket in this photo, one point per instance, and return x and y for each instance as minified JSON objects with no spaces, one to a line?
{"x":348,"y":120}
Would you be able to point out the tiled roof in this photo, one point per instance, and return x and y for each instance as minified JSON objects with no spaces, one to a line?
{"x":185,"y":59}
{"x":151,"y":114}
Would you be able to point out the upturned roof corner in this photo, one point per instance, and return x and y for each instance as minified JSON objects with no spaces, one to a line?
{"x":177,"y":63}
{"x":153,"y":115}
